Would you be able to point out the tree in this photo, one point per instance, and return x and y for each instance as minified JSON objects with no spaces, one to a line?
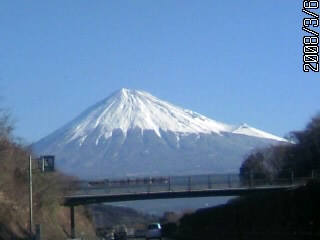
{"x":254,"y":167}
{"x":304,"y":156}
{"x":6,"y":126}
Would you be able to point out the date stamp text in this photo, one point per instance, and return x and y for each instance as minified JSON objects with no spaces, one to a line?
{"x":311,"y":39}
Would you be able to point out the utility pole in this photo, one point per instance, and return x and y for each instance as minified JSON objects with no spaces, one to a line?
{"x":46,"y":164}
{"x":30,"y":198}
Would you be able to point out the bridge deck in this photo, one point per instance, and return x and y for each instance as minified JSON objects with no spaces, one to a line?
{"x":106,"y":190}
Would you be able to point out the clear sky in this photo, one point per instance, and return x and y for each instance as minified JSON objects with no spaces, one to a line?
{"x":233,"y":61}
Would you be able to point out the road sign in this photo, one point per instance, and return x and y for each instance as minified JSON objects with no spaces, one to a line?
{"x":46,"y":163}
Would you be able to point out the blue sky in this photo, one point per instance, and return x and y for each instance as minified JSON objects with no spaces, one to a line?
{"x":233,"y":61}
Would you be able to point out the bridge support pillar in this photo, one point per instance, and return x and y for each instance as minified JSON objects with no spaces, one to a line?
{"x":292,"y":177}
{"x":73,"y":232}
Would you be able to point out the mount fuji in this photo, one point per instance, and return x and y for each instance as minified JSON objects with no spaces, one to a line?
{"x":132,"y":133}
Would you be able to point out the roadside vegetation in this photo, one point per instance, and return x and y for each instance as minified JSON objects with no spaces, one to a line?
{"x":14,"y":194}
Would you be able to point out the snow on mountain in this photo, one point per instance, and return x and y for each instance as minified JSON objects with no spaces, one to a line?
{"x":250,"y":131}
{"x":131,"y":129}
{"x":128,"y":109}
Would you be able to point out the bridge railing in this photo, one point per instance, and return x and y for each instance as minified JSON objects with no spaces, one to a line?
{"x":173,"y":184}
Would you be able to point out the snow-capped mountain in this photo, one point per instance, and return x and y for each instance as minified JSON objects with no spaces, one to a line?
{"x":134,"y":133}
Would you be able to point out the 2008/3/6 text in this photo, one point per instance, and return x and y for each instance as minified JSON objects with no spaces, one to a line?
{"x":310,"y":42}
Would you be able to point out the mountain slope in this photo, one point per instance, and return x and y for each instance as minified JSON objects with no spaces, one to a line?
{"x":134,"y":133}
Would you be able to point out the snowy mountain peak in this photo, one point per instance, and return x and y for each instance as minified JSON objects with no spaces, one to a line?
{"x":132,"y":109}
{"x":127,"y":109}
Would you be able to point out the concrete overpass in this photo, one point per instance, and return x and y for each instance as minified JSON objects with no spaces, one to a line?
{"x":146,"y":188}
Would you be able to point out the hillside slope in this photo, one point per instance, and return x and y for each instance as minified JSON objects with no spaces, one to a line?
{"x":14,"y":197}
